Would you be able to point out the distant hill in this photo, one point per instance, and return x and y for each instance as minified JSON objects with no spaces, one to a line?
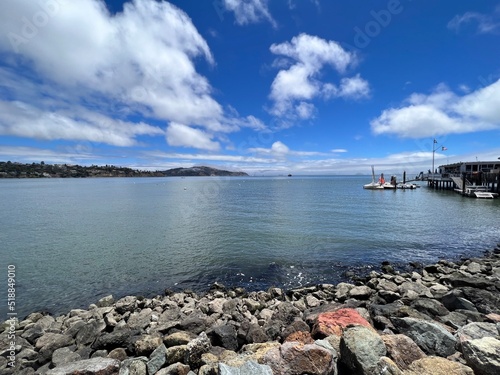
{"x":42,"y":170}
{"x":201,"y":171}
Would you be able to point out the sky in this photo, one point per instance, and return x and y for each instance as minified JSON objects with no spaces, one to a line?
{"x":268,"y":87}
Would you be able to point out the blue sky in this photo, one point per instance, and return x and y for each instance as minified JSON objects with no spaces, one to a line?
{"x":267,"y":87}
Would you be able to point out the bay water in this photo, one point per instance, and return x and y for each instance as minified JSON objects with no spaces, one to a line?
{"x":73,"y":241}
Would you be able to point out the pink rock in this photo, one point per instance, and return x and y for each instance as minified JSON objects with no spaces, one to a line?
{"x":334,"y":322}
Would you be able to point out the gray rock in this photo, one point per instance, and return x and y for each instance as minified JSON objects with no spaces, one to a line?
{"x":157,"y":359}
{"x":248,"y":368}
{"x":174,"y":369}
{"x":100,"y":366}
{"x":119,"y":354}
{"x":145,"y":345}
{"x":63,"y":356}
{"x":134,"y":366}
{"x":387,"y":285}
{"x":49,"y":342}
{"x":196,"y":348}
{"x":176,"y":354}
{"x":430,"y":307}
{"x":360,"y":292}
{"x":177,"y":338}
{"x":477,"y":330}
{"x":225,"y":336}
{"x":416,"y":287}
{"x":33,"y":333}
{"x":361,"y":349}
{"x":106,"y":301}
{"x":119,"y":338}
{"x":483,"y":355}
{"x":485,"y":301}
{"x":454,"y":319}
{"x":125,"y":304}
{"x":89,"y":332}
{"x":194,"y":324}
{"x":431,"y":337}
{"x":454,"y":301}
{"x":342,"y":291}
{"x":140,"y":320}
{"x":286,"y":312}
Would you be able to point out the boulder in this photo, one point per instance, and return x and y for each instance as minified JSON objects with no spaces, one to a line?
{"x":196,"y":348}
{"x":294,"y":358}
{"x":402,"y":350}
{"x":360,"y":292}
{"x":49,"y":342}
{"x":174,"y":369}
{"x":134,"y":366}
{"x":89,"y":332}
{"x":248,"y":368}
{"x":477,"y":330}
{"x":431,"y":337}
{"x":437,"y":366}
{"x":157,"y":359}
{"x":361,"y":349}
{"x":430,"y":307}
{"x":483,"y":355}
{"x":454,"y":301}
{"x":224,"y":335}
{"x":93,"y":366}
{"x":106,"y":301}
{"x":63,"y":356}
{"x":386,"y":366}
{"x":119,"y":338}
{"x":177,"y":338}
{"x":333,"y":323}
{"x":140,"y":320}
{"x":176,"y":354}
{"x":146,"y":344}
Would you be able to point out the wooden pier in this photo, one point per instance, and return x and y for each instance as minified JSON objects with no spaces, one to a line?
{"x":455,"y":176}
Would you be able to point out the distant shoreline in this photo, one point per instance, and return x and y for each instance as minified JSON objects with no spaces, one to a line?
{"x":42,"y":170}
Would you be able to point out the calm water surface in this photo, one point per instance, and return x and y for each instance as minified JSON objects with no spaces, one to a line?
{"x":74,"y":241}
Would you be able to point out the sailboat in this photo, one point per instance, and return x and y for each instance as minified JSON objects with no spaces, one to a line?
{"x":373,"y":185}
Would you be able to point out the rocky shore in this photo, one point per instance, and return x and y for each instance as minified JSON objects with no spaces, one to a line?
{"x":442,"y":318}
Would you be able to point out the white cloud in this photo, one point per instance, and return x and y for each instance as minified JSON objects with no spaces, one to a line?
{"x":23,"y":120}
{"x":249,"y":11}
{"x":298,"y":83}
{"x":442,"y":112}
{"x":486,"y":24}
{"x":185,"y":136}
{"x":63,"y":55}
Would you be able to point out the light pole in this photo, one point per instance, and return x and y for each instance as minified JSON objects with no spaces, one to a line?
{"x":433,"y":151}
{"x":434,"y":148}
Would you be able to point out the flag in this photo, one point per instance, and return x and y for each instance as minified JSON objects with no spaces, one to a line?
{"x":443,"y":148}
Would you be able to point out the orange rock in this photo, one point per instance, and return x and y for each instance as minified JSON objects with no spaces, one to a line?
{"x":300,"y":336}
{"x":334,"y":322}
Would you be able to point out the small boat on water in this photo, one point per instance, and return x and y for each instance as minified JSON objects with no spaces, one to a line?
{"x":485,"y":194}
{"x":407,"y":186}
{"x":373,"y":185}
{"x":476,"y":191}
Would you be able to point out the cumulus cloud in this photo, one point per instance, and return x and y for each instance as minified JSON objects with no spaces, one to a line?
{"x":23,"y":120}
{"x":64,"y":55}
{"x":185,"y":136}
{"x":297,"y":83}
{"x":249,"y":11}
{"x":442,"y":112}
